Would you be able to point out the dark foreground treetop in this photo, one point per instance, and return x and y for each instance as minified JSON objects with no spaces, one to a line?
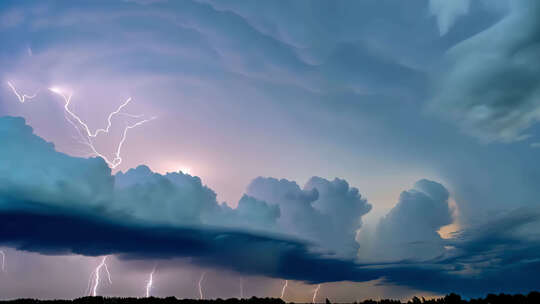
{"x":531,"y":298}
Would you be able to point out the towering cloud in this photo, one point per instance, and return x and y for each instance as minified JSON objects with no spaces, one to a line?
{"x":181,"y":199}
{"x":31,"y":170}
{"x":409,"y":230}
{"x":327,"y":212}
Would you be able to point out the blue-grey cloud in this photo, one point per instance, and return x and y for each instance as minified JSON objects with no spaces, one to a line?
{"x":327,"y":212}
{"x":32,"y":170}
{"x":59,"y":231}
{"x":487,"y":258}
{"x":410,"y":230}
{"x":181,"y":199}
{"x":500,"y":254}
{"x":52,"y":203}
{"x":447,"y":12}
{"x":491,"y":86}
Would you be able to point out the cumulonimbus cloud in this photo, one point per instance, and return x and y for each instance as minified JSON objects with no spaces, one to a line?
{"x":52,"y":203}
{"x":410,"y":230}
{"x":327,"y":212}
{"x":55,"y":204}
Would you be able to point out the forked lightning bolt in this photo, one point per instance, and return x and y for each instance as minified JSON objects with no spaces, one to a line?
{"x":150,"y":282}
{"x":95,"y":277}
{"x":283,"y":289}
{"x":87,"y":135}
{"x":201,"y":296}
{"x":22,"y":97}
{"x":316,"y":291}
{"x":79,"y":124}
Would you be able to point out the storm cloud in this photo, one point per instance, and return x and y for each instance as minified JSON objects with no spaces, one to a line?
{"x":327,"y":212}
{"x":410,"y":230}
{"x":491,"y":86}
{"x":52,"y":203}
{"x":278,"y":230}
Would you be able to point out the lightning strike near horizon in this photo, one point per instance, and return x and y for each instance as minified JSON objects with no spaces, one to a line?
{"x":87,"y":135}
{"x":201,"y":296}
{"x":316,"y":291}
{"x":22,"y":97}
{"x":150,"y":282}
{"x":241,"y":288}
{"x":95,"y":277}
{"x":3,"y":254}
{"x":283,"y":289}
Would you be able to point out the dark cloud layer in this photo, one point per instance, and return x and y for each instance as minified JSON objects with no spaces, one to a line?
{"x":472,"y":271}
{"x":56,"y":231}
{"x":501,"y":255}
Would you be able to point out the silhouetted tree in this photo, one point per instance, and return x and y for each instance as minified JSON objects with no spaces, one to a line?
{"x":531,"y":298}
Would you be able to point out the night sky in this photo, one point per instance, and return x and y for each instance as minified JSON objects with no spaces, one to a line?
{"x":363,"y":149}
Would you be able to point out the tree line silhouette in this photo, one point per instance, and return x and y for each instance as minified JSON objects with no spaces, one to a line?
{"x":531,"y":298}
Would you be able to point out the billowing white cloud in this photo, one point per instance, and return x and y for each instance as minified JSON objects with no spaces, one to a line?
{"x":181,"y":199}
{"x":174,"y":198}
{"x":31,"y":169}
{"x":252,"y":213}
{"x":327,"y":212}
{"x":409,"y":230}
